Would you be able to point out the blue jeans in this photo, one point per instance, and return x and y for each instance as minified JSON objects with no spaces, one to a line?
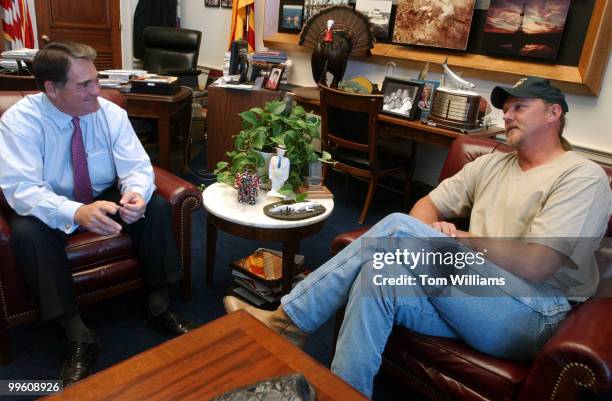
{"x":500,"y":324}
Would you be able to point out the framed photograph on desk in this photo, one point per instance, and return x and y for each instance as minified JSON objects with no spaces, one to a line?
{"x":274,"y":78}
{"x":424,"y":102}
{"x":401,"y":98}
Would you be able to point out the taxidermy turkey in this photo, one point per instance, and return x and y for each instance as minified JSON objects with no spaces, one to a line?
{"x":335,"y":33}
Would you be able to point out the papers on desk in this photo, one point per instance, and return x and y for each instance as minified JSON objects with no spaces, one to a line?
{"x":20,"y":54}
{"x":122,"y":75}
{"x":9,"y":65}
{"x":225,"y":82}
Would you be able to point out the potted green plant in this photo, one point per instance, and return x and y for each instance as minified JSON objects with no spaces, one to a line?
{"x":266,"y":128}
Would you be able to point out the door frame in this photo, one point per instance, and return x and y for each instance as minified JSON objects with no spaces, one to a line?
{"x":126,"y":9}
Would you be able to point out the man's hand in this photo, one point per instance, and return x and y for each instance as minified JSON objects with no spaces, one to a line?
{"x":133,"y":207}
{"x":449,"y":229}
{"x":93,"y":217}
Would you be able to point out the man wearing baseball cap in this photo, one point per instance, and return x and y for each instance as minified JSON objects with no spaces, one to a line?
{"x":538,"y":214}
{"x":534,"y":88}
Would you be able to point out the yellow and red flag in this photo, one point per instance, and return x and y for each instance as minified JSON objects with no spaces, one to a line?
{"x":17,"y":24}
{"x":243,"y":22}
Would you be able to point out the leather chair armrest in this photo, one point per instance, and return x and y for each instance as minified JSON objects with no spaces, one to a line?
{"x":176,"y":190}
{"x":578,"y":356}
{"x":184,"y":198}
{"x":342,"y":240}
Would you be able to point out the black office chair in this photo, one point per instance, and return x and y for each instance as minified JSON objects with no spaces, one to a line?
{"x":175,"y":51}
{"x":172,"y":51}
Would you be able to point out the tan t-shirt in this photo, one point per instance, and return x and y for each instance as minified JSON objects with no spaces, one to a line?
{"x":568,"y":198}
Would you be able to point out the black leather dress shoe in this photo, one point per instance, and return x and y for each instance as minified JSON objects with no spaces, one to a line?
{"x":169,"y":322}
{"x":79,"y":362}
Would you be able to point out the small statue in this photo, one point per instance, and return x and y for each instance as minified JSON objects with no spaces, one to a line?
{"x":248,"y":187}
{"x":278,"y":172}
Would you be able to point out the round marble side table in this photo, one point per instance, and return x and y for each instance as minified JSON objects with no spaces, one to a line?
{"x":249,"y":221}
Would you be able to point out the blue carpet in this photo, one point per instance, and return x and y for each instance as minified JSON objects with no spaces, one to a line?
{"x":38,"y":348}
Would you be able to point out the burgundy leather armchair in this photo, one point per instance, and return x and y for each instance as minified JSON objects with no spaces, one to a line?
{"x":576,"y":361}
{"x":102,"y":266}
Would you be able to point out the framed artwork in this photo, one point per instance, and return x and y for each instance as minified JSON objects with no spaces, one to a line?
{"x":290,"y":13}
{"x":401,"y":98}
{"x":311,"y":7}
{"x":426,"y":98}
{"x":211,"y":3}
{"x":226,"y":3}
{"x":378,"y":13}
{"x":525,"y":28}
{"x":434,"y":23}
{"x":274,"y":78}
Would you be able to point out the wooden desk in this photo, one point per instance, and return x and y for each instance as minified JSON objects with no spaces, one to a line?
{"x":162,"y":108}
{"x":223,"y":121}
{"x":10,"y":82}
{"x":411,"y":129}
{"x":230,"y":352}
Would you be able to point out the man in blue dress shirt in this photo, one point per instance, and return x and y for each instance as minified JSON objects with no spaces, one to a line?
{"x":70,"y":160}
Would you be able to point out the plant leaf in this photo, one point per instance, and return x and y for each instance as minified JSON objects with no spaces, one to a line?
{"x":278,"y":107}
{"x":249,"y":117}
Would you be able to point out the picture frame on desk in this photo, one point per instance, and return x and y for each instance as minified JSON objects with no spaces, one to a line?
{"x":401,"y":98}
{"x":290,"y":16}
{"x":274,"y":78}
{"x":426,"y":97}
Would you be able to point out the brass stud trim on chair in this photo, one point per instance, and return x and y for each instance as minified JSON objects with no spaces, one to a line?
{"x":564,"y":371}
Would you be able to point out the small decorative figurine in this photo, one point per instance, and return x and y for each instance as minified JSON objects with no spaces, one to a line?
{"x":248,"y":187}
{"x":278,"y":172}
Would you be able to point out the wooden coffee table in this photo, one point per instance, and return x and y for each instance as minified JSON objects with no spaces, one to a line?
{"x":230,"y":352}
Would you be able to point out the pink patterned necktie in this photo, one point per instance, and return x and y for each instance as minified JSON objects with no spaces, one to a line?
{"x":80,"y":172}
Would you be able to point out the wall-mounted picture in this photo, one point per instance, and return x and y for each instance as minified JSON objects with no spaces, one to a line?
{"x":311,"y":7}
{"x":290,"y":16}
{"x":274,"y":78}
{"x":424,"y":102}
{"x":527,"y":28}
{"x":226,"y":3}
{"x":401,"y":97}
{"x":211,"y":3}
{"x":435,"y":23}
{"x":378,"y":13}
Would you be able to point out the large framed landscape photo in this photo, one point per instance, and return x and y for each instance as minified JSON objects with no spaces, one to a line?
{"x":434,"y":23}
{"x":525,"y":28}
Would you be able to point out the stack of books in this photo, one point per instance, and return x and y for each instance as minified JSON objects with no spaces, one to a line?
{"x":258,"y":277}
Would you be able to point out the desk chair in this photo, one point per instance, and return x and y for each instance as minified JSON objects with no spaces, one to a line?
{"x":102,"y":266}
{"x":574,"y":363}
{"x":175,"y":52}
{"x":349,"y":125}
{"x":172,"y":51}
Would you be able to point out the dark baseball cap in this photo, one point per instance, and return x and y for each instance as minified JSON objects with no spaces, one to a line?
{"x":529,"y":87}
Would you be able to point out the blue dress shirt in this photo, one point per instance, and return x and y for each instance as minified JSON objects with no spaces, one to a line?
{"x":36,"y":166}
